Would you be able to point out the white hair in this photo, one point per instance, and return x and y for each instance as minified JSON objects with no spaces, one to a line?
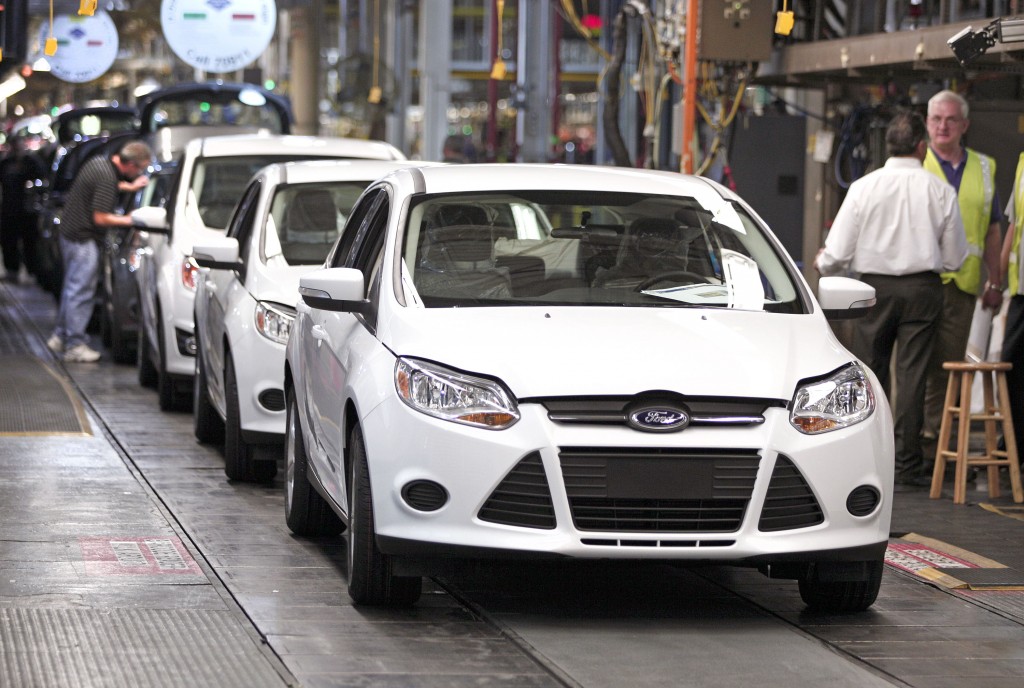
{"x":948,"y":96}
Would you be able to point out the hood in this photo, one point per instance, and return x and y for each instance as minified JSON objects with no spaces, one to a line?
{"x":622,"y":351}
{"x":279,"y":284}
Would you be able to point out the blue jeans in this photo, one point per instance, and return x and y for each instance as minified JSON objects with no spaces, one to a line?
{"x":81,"y":272}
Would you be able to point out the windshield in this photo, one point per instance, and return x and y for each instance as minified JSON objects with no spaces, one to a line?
{"x":592,"y":248}
{"x":305,"y":220}
{"x":218,"y":183}
{"x":215,"y":110}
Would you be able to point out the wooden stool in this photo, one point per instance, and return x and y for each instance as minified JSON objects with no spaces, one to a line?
{"x":961,"y":375}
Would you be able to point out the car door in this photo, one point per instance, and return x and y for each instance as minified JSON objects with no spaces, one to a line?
{"x":331,"y":355}
{"x":225,"y":290}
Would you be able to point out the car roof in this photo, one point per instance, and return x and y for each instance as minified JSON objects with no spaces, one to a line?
{"x":313,"y":171}
{"x":291,"y":144}
{"x":526,"y":176}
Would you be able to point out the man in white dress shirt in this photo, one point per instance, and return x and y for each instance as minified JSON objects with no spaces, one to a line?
{"x":898,"y":229}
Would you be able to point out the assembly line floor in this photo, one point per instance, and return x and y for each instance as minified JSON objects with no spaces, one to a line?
{"x":128,"y":559}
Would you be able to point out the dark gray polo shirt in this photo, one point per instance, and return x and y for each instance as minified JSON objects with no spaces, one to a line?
{"x":94,"y":189}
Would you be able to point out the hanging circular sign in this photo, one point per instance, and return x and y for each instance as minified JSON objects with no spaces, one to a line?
{"x":218,"y":35}
{"x":86,"y":46}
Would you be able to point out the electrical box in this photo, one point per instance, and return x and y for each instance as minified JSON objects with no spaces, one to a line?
{"x":736,"y":30}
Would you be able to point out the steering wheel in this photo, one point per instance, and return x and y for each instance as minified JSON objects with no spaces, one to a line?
{"x":693,"y":277}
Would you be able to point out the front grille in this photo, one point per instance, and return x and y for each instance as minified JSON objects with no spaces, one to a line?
{"x":658,"y":490}
{"x":522,"y":498}
{"x":789,"y":502}
{"x":711,"y":411}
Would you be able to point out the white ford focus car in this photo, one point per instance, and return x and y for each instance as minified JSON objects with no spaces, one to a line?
{"x":287,"y":220}
{"x":212,"y":173}
{"x":585,"y":362}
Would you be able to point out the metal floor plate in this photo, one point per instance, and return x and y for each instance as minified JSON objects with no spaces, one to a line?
{"x":129,"y":647}
{"x":979,"y":579}
{"x":36,"y":400}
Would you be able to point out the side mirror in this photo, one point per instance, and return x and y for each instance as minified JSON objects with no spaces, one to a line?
{"x":222,"y":255}
{"x":340,"y":290}
{"x":843,"y":298}
{"x":151,"y":219}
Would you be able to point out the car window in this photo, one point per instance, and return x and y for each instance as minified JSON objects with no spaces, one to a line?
{"x":241,"y":227}
{"x":212,"y":109}
{"x":217,"y":182}
{"x":365,"y":205}
{"x":306,"y":219}
{"x":591,"y":248}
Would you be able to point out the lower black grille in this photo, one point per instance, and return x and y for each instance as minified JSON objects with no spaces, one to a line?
{"x":789,"y":502}
{"x":272,"y":399}
{"x":522,"y":498}
{"x":863,"y":500}
{"x":658,"y":490}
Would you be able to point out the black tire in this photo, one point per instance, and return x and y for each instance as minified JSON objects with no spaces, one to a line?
{"x":206,"y":422}
{"x":841,"y":596}
{"x":305,"y":511}
{"x":165,"y":387}
{"x":106,"y":328}
{"x":370,"y":577}
{"x":121,"y":347}
{"x":242,"y":461}
{"x":147,"y":371}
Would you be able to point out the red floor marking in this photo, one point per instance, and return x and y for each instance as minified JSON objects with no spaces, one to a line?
{"x":136,"y":556}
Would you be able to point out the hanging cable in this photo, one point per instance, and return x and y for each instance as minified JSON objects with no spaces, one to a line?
{"x":569,"y":12}
{"x":50,"y":48}
{"x":498,"y":69}
{"x":375,"y":90}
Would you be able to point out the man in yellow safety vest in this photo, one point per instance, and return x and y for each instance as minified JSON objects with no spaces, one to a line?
{"x":1013,"y":337}
{"x":973,"y":175}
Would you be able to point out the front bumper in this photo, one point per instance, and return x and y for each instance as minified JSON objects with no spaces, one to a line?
{"x":471,"y":466}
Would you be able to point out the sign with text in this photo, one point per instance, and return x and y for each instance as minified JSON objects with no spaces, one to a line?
{"x":218,"y":35}
{"x":86,"y":46}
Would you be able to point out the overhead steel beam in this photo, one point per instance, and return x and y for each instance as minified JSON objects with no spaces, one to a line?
{"x":860,"y":56}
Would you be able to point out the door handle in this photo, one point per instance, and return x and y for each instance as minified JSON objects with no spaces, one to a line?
{"x":318,"y":333}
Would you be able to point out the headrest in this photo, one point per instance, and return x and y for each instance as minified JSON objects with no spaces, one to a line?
{"x":661,"y":233}
{"x":462,"y":243}
{"x":311,"y":210}
{"x":460,"y":214}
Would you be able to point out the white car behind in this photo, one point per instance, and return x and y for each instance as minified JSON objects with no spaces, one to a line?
{"x":211,"y":176}
{"x":286,"y":222}
{"x":582,"y":362}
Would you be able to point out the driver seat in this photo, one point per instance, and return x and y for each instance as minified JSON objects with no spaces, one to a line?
{"x":653,"y":246}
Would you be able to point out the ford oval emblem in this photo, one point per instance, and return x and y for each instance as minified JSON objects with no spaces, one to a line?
{"x":659,"y":419}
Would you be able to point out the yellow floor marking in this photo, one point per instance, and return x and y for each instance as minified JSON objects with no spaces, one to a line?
{"x":1016,"y":512}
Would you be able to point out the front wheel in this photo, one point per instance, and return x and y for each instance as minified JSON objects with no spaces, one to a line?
{"x":206,"y":422}
{"x":820,"y":590}
{"x":370,"y":580}
{"x":167,"y":390}
{"x":305,"y":511}
{"x":147,"y":371}
{"x":242,"y":461}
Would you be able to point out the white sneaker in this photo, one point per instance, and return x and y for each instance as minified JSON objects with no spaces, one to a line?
{"x":81,"y":353}
{"x":55,"y":344}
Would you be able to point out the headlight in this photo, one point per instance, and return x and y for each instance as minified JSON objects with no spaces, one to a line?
{"x":274,"y":321}
{"x":449,"y":395}
{"x":843,"y":399}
